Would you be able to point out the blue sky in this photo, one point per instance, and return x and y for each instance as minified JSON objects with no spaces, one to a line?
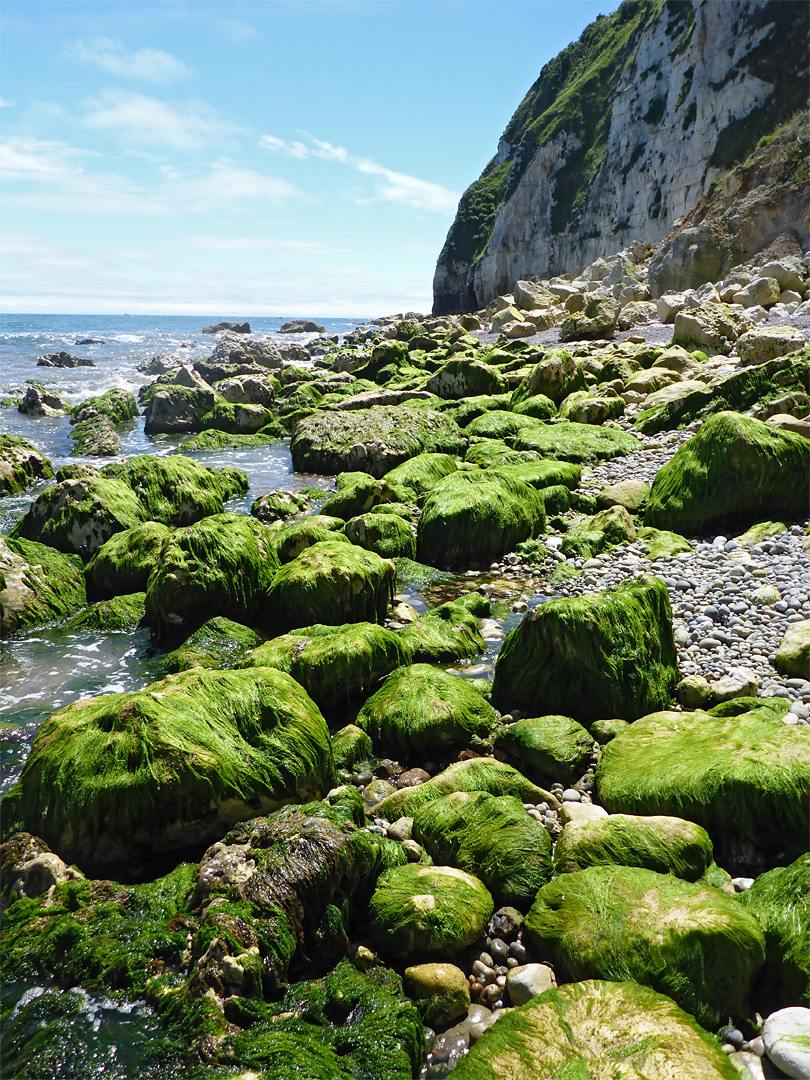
{"x":258,"y":158}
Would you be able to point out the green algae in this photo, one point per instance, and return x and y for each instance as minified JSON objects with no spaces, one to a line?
{"x":123,"y":564}
{"x":218,"y":643}
{"x":581,"y":443}
{"x":121,"y":613}
{"x":386,"y":534}
{"x":37,"y":584}
{"x":20,"y":464}
{"x":549,"y":749}
{"x":447,"y":632}
{"x":176,"y":490}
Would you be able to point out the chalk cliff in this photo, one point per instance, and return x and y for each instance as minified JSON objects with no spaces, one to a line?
{"x":623,"y":134}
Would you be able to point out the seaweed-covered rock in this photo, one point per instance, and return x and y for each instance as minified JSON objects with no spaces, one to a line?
{"x":177,"y":490}
{"x":598,"y":319}
{"x":491,"y":837}
{"x":236,"y":419}
{"x":440,"y":991}
{"x":123,"y":564}
{"x":334,"y":663}
{"x":735,"y":471}
{"x":465,"y":378}
{"x":570,"y":441}
{"x":175,"y":764}
{"x":550,"y":749}
{"x":279,"y":505}
{"x":427,"y":909}
{"x":631,"y":494}
{"x":20,"y":464}
{"x":587,"y":408}
{"x":332,"y":583}
{"x":219,"y":643}
{"x":474,"y":774}
{"x":117,"y":405}
{"x":95,"y":437}
{"x":793,"y":655}
{"x":763,"y":343}
{"x":225,"y":563}
{"x":447,"y":632}
{"x":593,"y":535}
{"x":499,"y":425}
{"x":471,"y":518}
{"x":178,"y":409}
{"x":780,"y":902}
{"x":350,"y":745}
{"x":385,"y":534}
{"x":694,"y":943}
{"x":591,"y":657}
{"x":595,"y":1029}
{"x":421,"y":711}
{"x":297,"y":536}
{"x":121,"y":613}
{"x":542,"y":474}
{"x":745,"y":779}
{"x":37,"y":584}
{"x":357,"y":493}
{"x":411,"y":481}
{"x":372,"y":440}
{"x":668,"y":845}
{"x":555,"y":377}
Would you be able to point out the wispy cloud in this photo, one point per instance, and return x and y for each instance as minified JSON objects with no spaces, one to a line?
{"x":237,"y":30}
{"x":263,"y":243}
{"x":5,"y":103}
{"x":110,"y":55}
{"x":136,"y":118}
{"x":227,"y":186}
{"x":390,"y":186}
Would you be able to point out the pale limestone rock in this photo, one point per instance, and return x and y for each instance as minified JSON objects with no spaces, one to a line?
{"x":527,"y":981}
{"x":738,"y":682}
{"x":762,"y":292}
{"x":579,"y":811}
{"x":787,"y":422}
{"x":786,"y":1034}
{"x":765,"y":343}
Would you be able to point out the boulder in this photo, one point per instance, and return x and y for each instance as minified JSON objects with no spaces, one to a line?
{"x":668,"y":845}
{"x":440,"y":992}
{"x":116,"y":404}
{"x":296,"y":536}
{"x":586,"y":408}
{"x":125,"y":775}
{"x":385,"y":534}
{"x":37,"y":585}
{"x":41,"y":402}
{"x":412,"y":481}
{"x":447,"y":632}
{"x":331,"y":582}
{"x":583,"y":1028}
{"x":556,"y":376}
{"x":121,"y":614}
{"x":123,"y":564}
{"x":420,"y":712}
{"x":710,"y":326}
{"x":527,"y":981}
{"x":95,"y":437}
{"x":501,"y":424}
{"x":652,"y":379}
{"x":598,"y":320}
{"x":567,"y":440}
{"x":735,"y":471}
{"x":692,"y":942}
{"x":761,"y":292}
{"x":549,"y":749}
{"x":302,"y":326}
{"x":793,"y":655}
{"x":631,"y":494}
{"x":427,"y":909}
{"x":20,"y":465}
{"x":531,"y":295}
{"x":786,"y":1035}
{"x":247,"y":390}
{"x":279,"y":505}
{"x":465,"y":378}
{"x":743,"y":778}
{"x":764,"y":343}
{"x":64,"y":360}
{"x":218,"y":643}
{"x":333,"y":663}
{"x":231,"y":327}
{"x":178,"y":409}
{"x":224,"y":563}
{"x":591,"y":657}
{"x":236,"y":419}
{"x":490,"y":837}
{"x":592,"y":535}
{"x":373,"y":440}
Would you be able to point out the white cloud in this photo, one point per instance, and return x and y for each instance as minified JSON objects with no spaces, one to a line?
{"x":139,"y":119}
{"x":390,"y":186}
{"x":263,"y":243}
{"x":227,"y":186}
{"x":236,"y":30}
{"x":5,"y":103}
{"x":109,"y":55}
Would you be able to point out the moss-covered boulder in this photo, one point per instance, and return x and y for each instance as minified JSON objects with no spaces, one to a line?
{"x":597,"y":1029}
{"x":793,"y":655}
{"x":471,"y":518}
{"x":631,"y":494}
{"x":539,"y":407}
{"x":20,"y":464}
{"x":178,"y":409}
{"x":735,"y":471}
{"x":745,"y":779}
{"x":297,"y":536}
{"x":694,"y":943}
{"x":668,"y":845}
{"x":357,"y":493}
{"x":541,"y":474}
{"x":116,"y":404}
{"x":224,"y":563}
{"x":473,"y":774}
{"x":219,"y":643}
{"x":598,"y":319}
{"x":414,"y":479}
{"x":177,"y":490}
{"x":386,"y":534}
{"x":334,"y":663}
{"x":780,"y":902}
{"x":447,"y":632}
{"x":123,"y":564}
{"x":440,"y":991}
{"x":499,"y":425}
{"x":421,"y":711}
{"x":279,"y":505}
{"x":490,"y":837}
{"x":235,"y":419}
{"x":37,"y":584}
{"x":591,"y":657}
{"x":586,"y":408}
{"x":350,"y":745}
{"x":372,"y":440}
{"x":549,"y":749}
{"x":121,"y":775}
{"x":465,"y":378}
{"x":593,"y":535}
{"x":417,"y":910}
{"x":555,"y":377}
{"x":332,"y":583}
{"x":120,"y":614}
{"x":567,"y":440}
{"x":662,"y":544}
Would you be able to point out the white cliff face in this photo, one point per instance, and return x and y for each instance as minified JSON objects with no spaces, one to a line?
{"x":677,"y":95}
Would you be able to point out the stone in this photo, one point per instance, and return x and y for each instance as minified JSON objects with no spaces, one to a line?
{"x":555,"y":376}
{"x":694,"y":692}
{"x":37,"y":584}
{"x":531,"y":295}
{"x":668,"y":306}
{"x":302,"y":326}
{"x":218,"y":643}
{"x":711,"y":326}
{"x":440,"y":992}
{"x":550,"y":749}
{"x":21,"y":464}
{"x":41,"y":402}
{"x":631,"y":494}
{"x":786,"y":422}
{"x":247,"y":390}
{"x":527,"y":981}
{"x":64,"y":360}
{"x":762,"y":291}
{"x":579,"y":811}
{"x":591,"y":536}
{"x":786,"y":1035}
{"x":383,"y":533}
{"x":230,"y":327}
{"x":651,"y":379}
{"x":793,"y":654}
{"x":765,"y":343}
{"x":447,"y":632}
{"x":465,"y":378}
{"x":598,"y":320}
{"x":737,"y":682}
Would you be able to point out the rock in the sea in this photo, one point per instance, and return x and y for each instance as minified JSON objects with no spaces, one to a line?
{"x":583,"y":1028}
{"x":385,"y":534}
{"x":123,"y":564}
{"x":64,"y":360}
{"x":219,"y":643}
{"x":302,"y":326}
{"x":427,"y":909}
{"x":41,"y":402}
{"x":175,"y":764}
{"x":119,"y":614}
{"x":20,"y":464}
{"x":692,"y":942}
{"x":735,"y":471}
{"x":231,"y":327}
{"x":745,"y":779}
{"x":786,"y":1035}
{"x":37,"y":584}
{"x":591,"y":657}
{"x":279,"y":505}
{"x":447,"y":632}
{"x":297,"y":536}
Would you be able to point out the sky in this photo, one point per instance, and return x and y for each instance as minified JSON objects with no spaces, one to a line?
{"x":303,"y":157}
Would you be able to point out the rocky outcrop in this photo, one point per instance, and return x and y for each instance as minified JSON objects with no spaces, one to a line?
{"x":622,"y":134}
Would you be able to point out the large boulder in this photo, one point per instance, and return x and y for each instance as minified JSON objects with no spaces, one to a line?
{"x":297,"y":536}
{"x":238,"y":351}
{"x":567,"y":440}
{"x":412,"y":481}
{"x":465,"y":378}
{"x":591,"y":657}
{"x":126,"y":775}
{"x":37,"y":584}
{"x":744,"y":778}
{"x":225,"y":563}
{"x":763,"y":343}
{"x":420,"y":712}
{"x":793,"y":655}
{"x":447,"y":632}
{"x":427,"y":909}
{"x":471,"y":518}
{"x":331,"y":582}
{"x":734,"y":472}
{"x":218,"y":643}
{"x":334,"y":663}
{"x":592,"y":535}
{"x":556,"y":376}
{"x":21,"y":464}
{"x":226,"y":325}
{"x":550,"y":749}
{"x":694,"y":943}
{"x":371,"y":440}
{"x":385,"y":534}
{"x":175,"y":489}
{"x":178,"y":409}
{"x":123,"y":564}
{"x":598,"y":319}
{"x":491,"y":837}
{"x":597,"y":1029}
